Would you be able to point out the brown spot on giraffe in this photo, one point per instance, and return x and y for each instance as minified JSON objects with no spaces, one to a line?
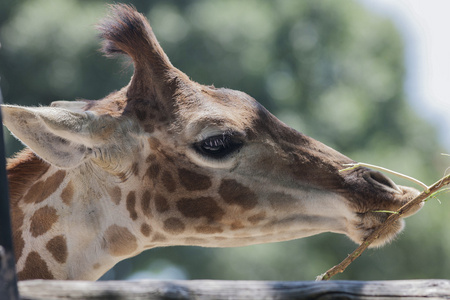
{"x":236,"y":225}
{"x":174,"y":226}
{"x":17,"y":217}
{"x":115,"y":194}
{"x":162,"y":118}
{"x":255,"y":219}
{"x":168,"y":182}
{"x":202,"y":207}
{"x":193,"y":181}
{"x":149,"y":127}
{"x":146,"y":229}
{"x":154,"y":143}
{"x":158,"y":237}
{"x":168,"y":157}
{"x":44,"y":188}
{"x":145,"y":203}
{"x":205,"y":229}
{"x":131,"y":205}
{"x":153,"y":171}
{"x":120,"y":241}
{"x":42,"y":220}
{"x":150,"y":158}
{"x":57,"y":246}
{"x":161,"y":203}
{"x":35,"y":268}
{"x":141,"y":114}
{"x":67,"y":193}
{"x":282,"y":201}
{"x":19,"y":244}
{"x":232,"y":192}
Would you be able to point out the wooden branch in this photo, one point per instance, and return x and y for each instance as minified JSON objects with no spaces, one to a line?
{"x":389,"y":221}
{"x":212,"y":289}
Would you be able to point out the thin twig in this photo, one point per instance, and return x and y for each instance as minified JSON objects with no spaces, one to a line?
{"x":389,"y":221}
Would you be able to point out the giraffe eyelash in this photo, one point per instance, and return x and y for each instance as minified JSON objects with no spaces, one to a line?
{"x":219,"y":146}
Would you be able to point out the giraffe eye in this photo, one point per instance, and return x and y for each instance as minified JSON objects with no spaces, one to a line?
{"x":218,"y":146}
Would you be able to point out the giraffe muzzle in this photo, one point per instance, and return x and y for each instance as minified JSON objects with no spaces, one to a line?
{"x":381,"y":181}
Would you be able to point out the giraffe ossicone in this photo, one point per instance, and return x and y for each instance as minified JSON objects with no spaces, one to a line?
{"x":167,"y":161}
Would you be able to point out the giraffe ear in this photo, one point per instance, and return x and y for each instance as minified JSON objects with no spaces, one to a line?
{"x":60,"y":136}
{"x":75,"y":106}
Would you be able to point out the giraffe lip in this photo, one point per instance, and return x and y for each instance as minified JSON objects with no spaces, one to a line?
{"x":406,"y":194}
{"x":409,"y":194}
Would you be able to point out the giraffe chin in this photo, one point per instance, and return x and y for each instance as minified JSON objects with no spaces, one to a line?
{"x":371,"y":218}
{"x":370,"y":222}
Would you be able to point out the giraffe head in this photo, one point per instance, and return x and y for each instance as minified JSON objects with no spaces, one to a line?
{"x":188,"y":164}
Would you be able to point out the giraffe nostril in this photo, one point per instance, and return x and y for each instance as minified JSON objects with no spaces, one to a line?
{"x":379,"y":179}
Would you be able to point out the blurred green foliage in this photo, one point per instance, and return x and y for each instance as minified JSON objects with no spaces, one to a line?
{"x":328,"y":68}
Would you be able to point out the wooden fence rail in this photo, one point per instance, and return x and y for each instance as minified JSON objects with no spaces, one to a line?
{"x":212,"y":289}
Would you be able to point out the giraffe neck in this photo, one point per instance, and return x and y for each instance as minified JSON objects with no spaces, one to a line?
{"x":67,"y":228}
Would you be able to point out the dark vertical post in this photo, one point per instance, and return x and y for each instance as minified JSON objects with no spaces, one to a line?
{"x":8,"y":280}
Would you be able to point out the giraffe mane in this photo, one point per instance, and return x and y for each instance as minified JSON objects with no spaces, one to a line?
{"x":24,"y":170}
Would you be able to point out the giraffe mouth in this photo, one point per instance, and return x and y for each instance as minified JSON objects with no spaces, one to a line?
{"x":371,"y":220}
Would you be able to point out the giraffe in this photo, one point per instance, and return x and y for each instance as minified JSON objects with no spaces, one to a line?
{"x":168,"y":161}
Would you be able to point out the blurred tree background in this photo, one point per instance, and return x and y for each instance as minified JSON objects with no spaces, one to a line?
{"x":330,"y":69}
